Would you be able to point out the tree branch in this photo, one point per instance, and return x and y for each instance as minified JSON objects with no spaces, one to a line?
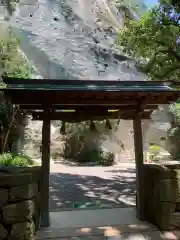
{"x":174,"y":23}
{"x":15,"y":110}
{"x":170,"y":50}
{"x":173,"y":68}
{"x":173,"y":53}
{"x":153,"y":59}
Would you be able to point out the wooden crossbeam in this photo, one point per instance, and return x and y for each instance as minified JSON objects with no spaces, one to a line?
{"x":33,"y":107}
{"x":78,"y":117}
{"x":70,"y":98}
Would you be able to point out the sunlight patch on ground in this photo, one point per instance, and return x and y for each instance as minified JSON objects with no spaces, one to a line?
{"x":127,"y":200}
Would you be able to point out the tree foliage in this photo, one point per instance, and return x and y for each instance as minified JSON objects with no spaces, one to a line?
{"x":12,"y":64}
{"x":154,"y":41}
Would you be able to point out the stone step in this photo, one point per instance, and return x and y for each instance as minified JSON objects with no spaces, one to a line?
{"x":106,"y":231}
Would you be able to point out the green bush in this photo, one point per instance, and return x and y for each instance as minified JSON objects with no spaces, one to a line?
{"x":96,"y":155}
{"x":107,"y":159}
{"x":9,"y":159}
{"x":84,"y":145}
{"x":87,"y":155}
{"x":154,"y":151}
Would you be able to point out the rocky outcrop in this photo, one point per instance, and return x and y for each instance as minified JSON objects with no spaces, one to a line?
{"x":78,"y":41}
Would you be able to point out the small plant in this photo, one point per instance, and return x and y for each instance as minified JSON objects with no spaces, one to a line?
{"x":11,"y":160}
{"x":107,"y":158}
{"x":154,"y":151}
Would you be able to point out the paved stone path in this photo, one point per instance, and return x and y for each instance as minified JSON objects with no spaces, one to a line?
{"x":107,"y":186}
{"x":70,"y":184}
{"x":111,"y":233}
{"x":102,"y":224}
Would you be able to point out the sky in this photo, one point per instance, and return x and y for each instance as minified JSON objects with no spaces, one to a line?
{"x":150,"y":3}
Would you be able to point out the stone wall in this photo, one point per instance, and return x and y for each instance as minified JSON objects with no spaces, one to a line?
{"x":162,"y":197}
{"x":19,"y":204}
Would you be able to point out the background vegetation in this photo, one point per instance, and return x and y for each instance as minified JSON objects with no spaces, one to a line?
{"x":12,"y":64}
{"x":154,"y":42}
{"x":84,"y":141}
{"x":9,"y":159}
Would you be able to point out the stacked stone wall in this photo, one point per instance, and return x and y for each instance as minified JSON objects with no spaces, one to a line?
{"x":19,"y":204}
{"x":162,"y":198}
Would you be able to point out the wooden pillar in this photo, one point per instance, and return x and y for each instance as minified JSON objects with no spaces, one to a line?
{"x":45,"y":221}
{"x":138,"y":147}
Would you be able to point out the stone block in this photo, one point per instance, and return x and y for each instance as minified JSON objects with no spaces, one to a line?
{"x":177,"y":233}
{"x":22,"y":231}
{"x":168,"y":221}
{"x":128,"y":236}
{"x":178,"y":194}
{"x":3,"y":197}
{"x":3,"y":232}
{"x":167,"y":207}
{"x":167,"y":190}
{"x":18,"y":212}
{"x":8,"y":180}
{"x":175,"y":220}
{"x":153,"y":235}
{"x":37,"y":213}
{"x":163,"y":221}
{"x":169,"y":236}
{"x":26,"y":191}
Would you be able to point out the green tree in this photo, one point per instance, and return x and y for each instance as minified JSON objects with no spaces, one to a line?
{"x":12,"y":64}
{"x":154,"y":41}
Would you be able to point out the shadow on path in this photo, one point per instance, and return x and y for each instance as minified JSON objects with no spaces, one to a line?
{"x":69,"y":188}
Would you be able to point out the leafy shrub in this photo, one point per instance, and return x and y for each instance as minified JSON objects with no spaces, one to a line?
{"x":154,"y":151}
{"x":9,"y":159}
{"x":87,"y":155}
{"x":107,"y":158}
{"x":84,"y":145}
{"x":96,"y":155}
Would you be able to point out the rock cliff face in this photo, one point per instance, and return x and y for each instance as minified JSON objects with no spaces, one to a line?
{"x":74,"y":39}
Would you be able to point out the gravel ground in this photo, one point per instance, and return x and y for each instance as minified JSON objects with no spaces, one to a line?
{"x":110,"y":186}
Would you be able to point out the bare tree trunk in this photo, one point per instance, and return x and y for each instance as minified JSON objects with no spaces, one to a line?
{"x":5,"y":140}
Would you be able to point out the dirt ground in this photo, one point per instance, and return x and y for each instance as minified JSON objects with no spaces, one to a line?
{"x":71,"y":186}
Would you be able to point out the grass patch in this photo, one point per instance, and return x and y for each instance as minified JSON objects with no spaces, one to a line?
{"x":10,"y":159}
